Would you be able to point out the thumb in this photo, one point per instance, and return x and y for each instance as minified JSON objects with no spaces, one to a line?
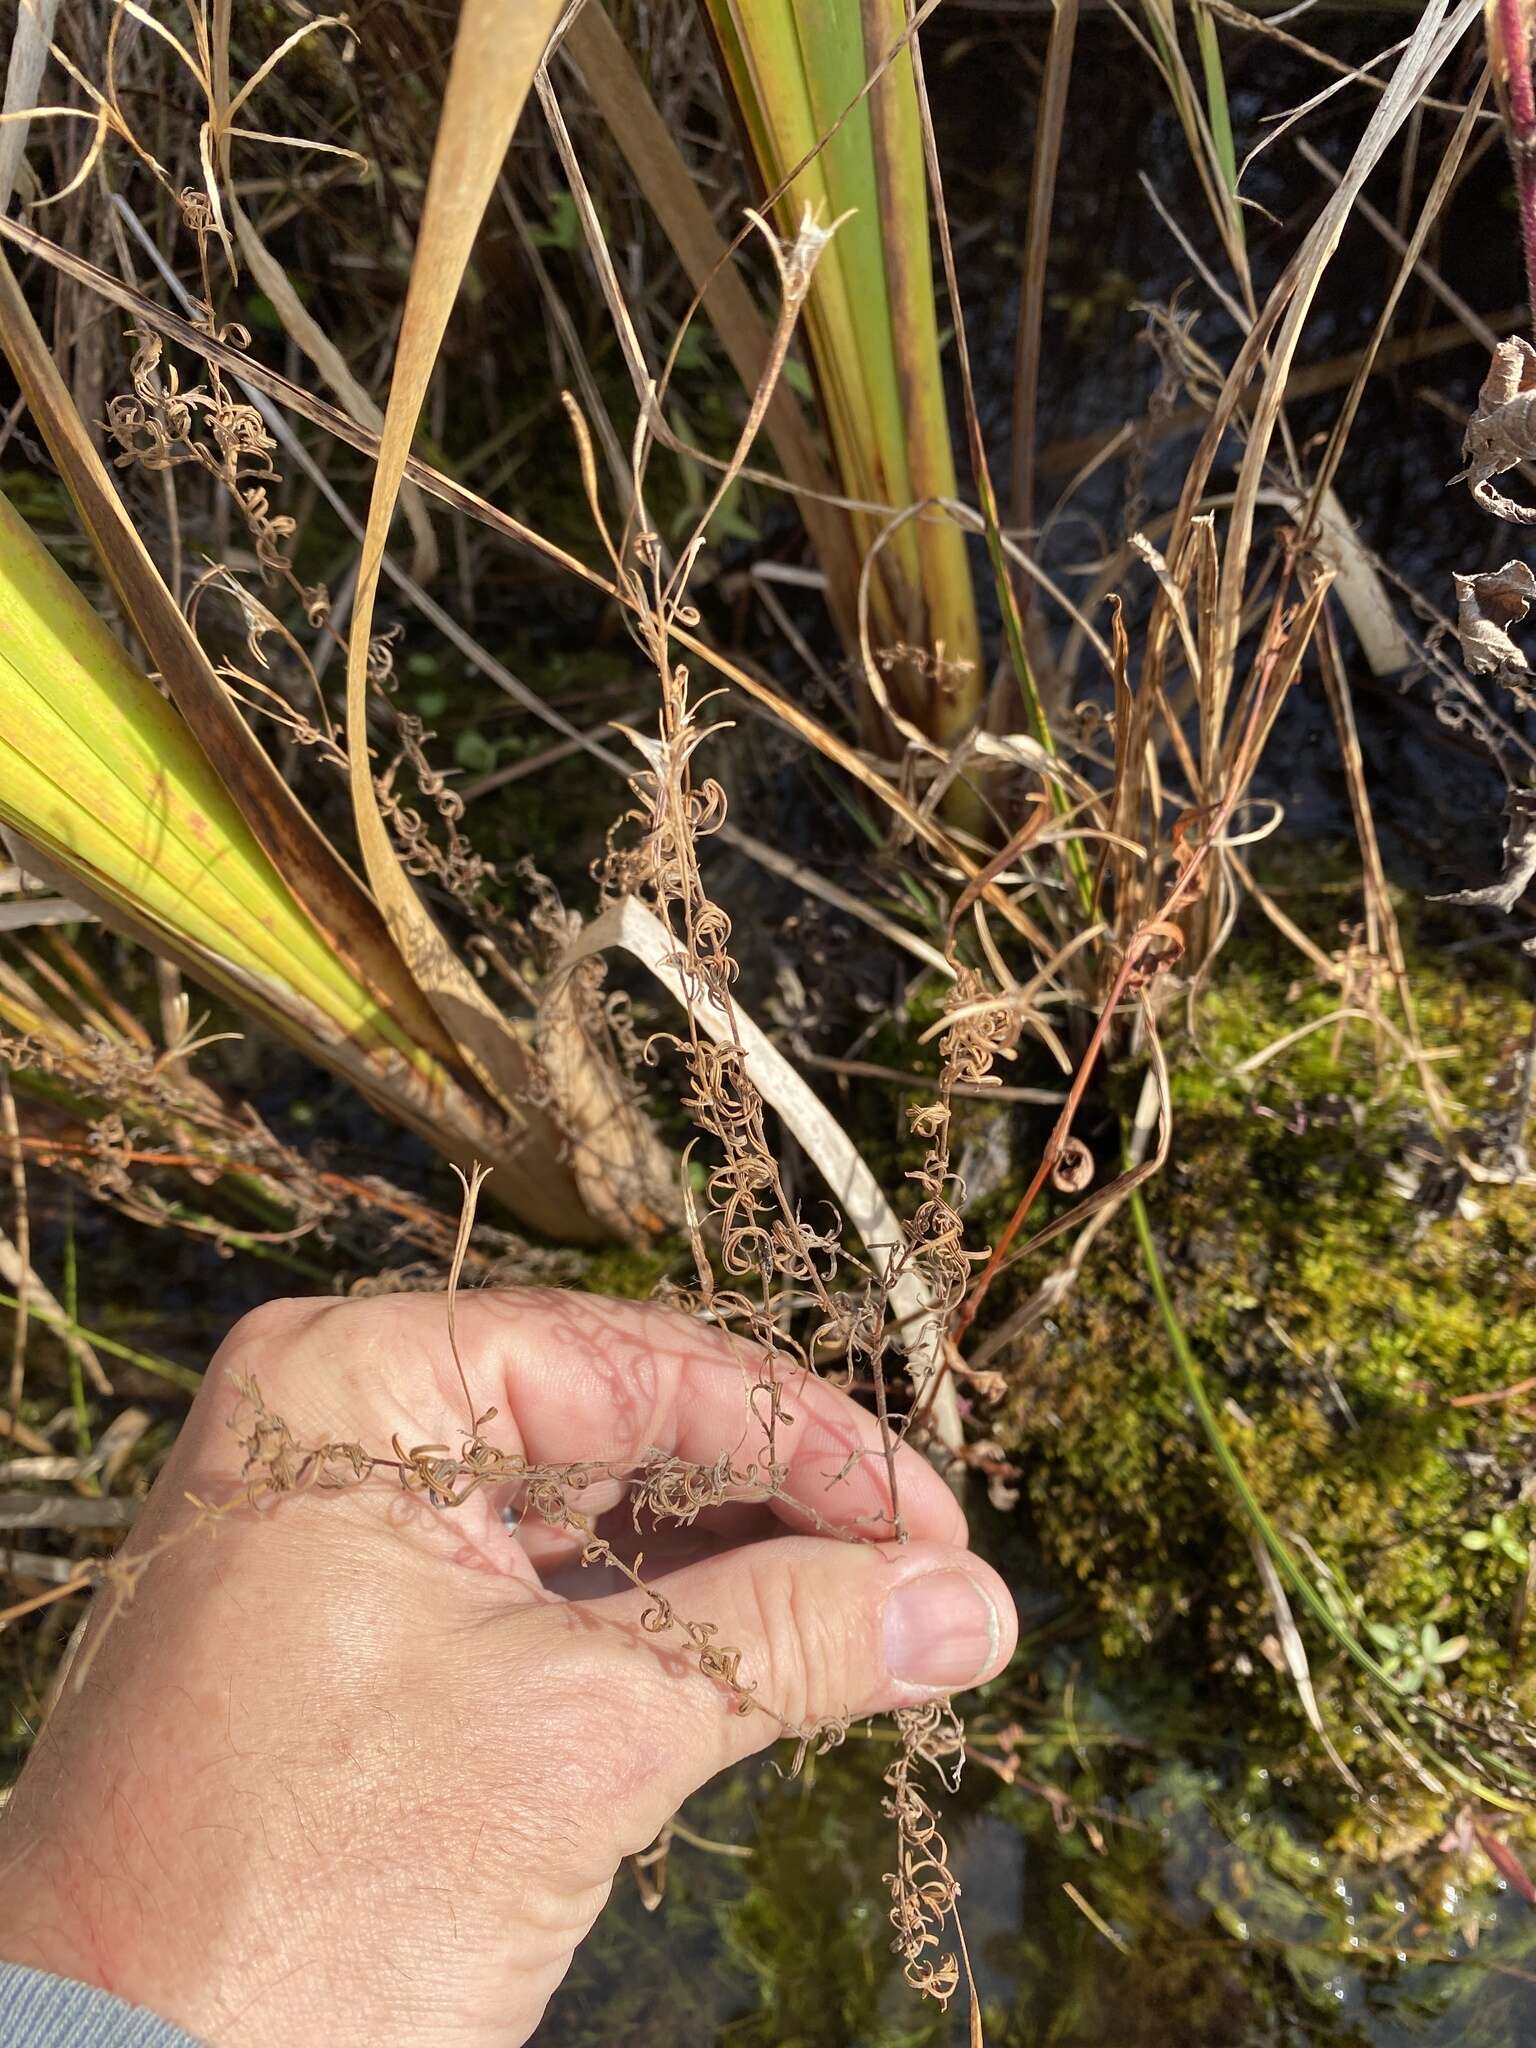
{"x":812,"y":1630}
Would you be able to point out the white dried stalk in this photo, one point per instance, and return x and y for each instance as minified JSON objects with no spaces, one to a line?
{"x":628,"y":923}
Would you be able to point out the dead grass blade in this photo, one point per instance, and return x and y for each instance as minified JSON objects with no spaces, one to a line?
{"x":495,"y":54}
{"x":23,"y":78}
{"x":1279,"y":326}
{"x":1294,"y":1653}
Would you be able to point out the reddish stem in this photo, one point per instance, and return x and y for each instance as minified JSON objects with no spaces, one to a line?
{"x":1521,"y":124}
{"x":1190,"y":881}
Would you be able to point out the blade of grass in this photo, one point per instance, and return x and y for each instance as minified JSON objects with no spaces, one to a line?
{"x":1050,"y":118}
{"x":827,"y":103}
{"x":1434,"y":37}
{"x":1218,"y":112}
{"x":339,"y":908}
{"x":901,"y":188}
{"x":613,"y":80}
{"x":147,"y":1361}
{"x":495,"y":55}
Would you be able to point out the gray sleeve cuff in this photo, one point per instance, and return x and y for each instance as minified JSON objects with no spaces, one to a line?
{"x":39,"y":2011}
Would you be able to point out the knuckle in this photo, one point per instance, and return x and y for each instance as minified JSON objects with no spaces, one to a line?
{"x":280,"y":1321}
{"x":803,"y":1645}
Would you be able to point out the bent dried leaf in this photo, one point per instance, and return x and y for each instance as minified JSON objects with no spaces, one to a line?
{"x":1519,"y":858}
{"x":495,"y":55}
{"x":1501,"y":433}
{"x":1486,"y":607}
{"x":626,"y":1175}
{"x":629,"y":924}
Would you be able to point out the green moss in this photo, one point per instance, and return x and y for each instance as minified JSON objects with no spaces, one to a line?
{"x":633,"y":1274}
{"x":1338,"y":1317}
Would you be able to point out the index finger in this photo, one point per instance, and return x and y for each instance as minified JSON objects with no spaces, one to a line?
{"x":582,"y":1378}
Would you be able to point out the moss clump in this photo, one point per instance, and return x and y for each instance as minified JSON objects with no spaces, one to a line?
{"x":1342,"y":1300}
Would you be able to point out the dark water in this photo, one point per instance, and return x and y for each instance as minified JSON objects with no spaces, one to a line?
{"x":1164,"y":1890}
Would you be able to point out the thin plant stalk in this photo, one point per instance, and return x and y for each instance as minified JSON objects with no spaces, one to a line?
{"x":1520,"y":126}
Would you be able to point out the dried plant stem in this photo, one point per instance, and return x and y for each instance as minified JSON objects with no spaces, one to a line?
{"x":1158,"y":941}
{"x":23,"y":1237}
{"x":471,"y":1182}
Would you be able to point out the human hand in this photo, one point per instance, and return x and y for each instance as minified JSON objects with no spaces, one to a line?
{"x":358,"y":1767}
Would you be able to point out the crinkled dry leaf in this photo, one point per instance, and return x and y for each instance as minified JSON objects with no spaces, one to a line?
{"x":1486,"y":607}
{"x":1501,"y":434}
{"x":1519,"y":857}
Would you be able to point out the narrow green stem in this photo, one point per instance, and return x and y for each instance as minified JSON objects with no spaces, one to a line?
{"x":1226,"y":1457}
{"x":1303,"y":1587}
{"x":162,"y":1368}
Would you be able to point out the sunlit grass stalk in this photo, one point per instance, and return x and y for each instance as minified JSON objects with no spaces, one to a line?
{"x":870,"y":321}
{"x":146,"y":1361}
{"x":101,"y":777}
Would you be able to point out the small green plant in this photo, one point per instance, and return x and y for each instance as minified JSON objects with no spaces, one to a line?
{"x":1415,"y":1654}
{"x":1499,"y":1535}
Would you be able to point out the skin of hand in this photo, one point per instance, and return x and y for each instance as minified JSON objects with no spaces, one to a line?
{"x":354,"y":1768}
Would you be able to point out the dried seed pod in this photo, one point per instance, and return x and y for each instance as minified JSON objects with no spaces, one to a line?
{"x":1073,"y":1171}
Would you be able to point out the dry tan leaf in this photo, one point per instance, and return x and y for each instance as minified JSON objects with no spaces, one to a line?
{"x":23,"y":79}
{"x":613,"y":1156}
{"x":1361,"y":589}
{"x":1501,"y":433}
{"x":627,"y":1177}
{"x":1486,"y":607}
{"x":496,"y":52}
{"x":1519,"y":857}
